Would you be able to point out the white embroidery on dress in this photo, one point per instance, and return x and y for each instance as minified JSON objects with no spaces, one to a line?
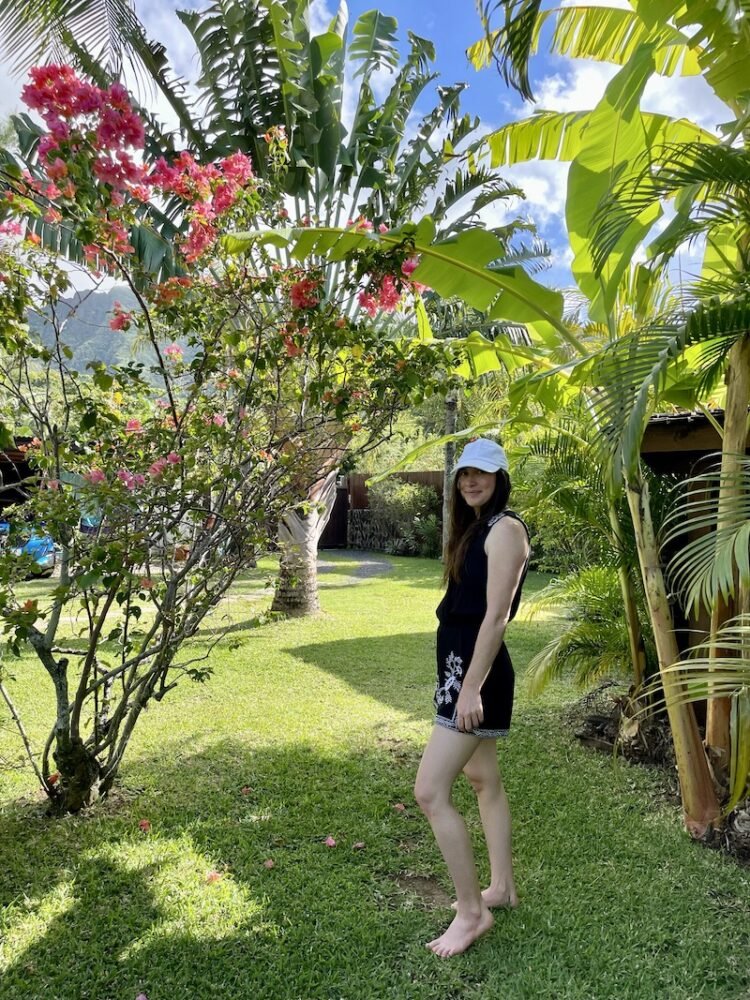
{"x":455,"y":670}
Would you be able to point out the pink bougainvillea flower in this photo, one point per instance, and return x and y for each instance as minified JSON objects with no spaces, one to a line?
{"x":219,"y":419}
{"x":409,"y":266}
{"x":305,"y":294}
{"x":368,"y":302}
{"x":292,"y":349}
{"x":57,"y":169}
{"x":389,"y":296}
{"x":146,"y":583}
{"x":173,"y":458}
{"x":11,"y":228}
{"x":52,"y":484}
{"x":174,"y":352}
{"x":382,"y":228}
{"x":141,"y":996}
{"x":144,"y":825}
{"x":268,"y":863}
{"x":133,"y":427}
{"x":213,"y":877}
{"x":399,"y":807}
{"x":95,"y":476}
{"x":329,"y":842}
{"x":53,"y":778}
{"x":157,"y":468}
{"x":127,"y":478}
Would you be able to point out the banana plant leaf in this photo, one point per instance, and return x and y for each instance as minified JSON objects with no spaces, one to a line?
{"x":458,"y":266}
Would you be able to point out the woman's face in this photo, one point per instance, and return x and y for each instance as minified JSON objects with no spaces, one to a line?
{"x":476,"y":487}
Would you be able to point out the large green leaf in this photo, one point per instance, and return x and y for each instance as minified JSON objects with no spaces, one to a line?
{"x":719,"y":33}
{"x":373,"y":43}
{"x":614,"y":139}
{"x":469,"y":432}
{"x":606,"y":34}
{"x":459,"y":266}
{"x":511,"y":45}
{"x":559,"y":135}
{"x":739,"y":758}
{"x":716,"y":177}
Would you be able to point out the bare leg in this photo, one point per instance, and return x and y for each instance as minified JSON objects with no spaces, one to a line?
{"x":484,"y":774}
{"x":444,"y":757}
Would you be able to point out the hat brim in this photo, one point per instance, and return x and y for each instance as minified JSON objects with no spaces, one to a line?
{"x":483,"y":466}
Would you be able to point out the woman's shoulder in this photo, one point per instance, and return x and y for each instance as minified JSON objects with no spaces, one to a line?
{"x":507,"y":527}
{"x":513,"y":520}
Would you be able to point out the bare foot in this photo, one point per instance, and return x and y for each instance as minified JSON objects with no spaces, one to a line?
{"x":497,"y":898}
{"x":462,"y":933}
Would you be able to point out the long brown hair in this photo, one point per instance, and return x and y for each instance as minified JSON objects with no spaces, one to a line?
{"x":465,"y":525}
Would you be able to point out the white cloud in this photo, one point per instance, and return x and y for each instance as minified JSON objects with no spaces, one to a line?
{"x":320,"y":17}
{"x":578,"y":88}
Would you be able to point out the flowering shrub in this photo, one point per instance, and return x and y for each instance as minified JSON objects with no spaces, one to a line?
{"x":161,"y":478}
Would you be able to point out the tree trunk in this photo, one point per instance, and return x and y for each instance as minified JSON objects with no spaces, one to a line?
{"x":630,"y":605}
{"x":451,"y":422}
{"x":699,"y":802}
{"x":80,"y":777}
{"x":733,"y":447}
{"x":297,"y":585}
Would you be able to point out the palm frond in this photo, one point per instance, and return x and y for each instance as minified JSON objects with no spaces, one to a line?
{"x":631,"y":373}
{"x":34,"y":31}
{"x":712,"y":535}
{"x":592,"y":639}
{"x":718,"y":177}
{"x":512,"y":43}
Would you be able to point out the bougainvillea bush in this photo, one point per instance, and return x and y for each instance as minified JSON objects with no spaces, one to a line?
{"x":161,"y":478}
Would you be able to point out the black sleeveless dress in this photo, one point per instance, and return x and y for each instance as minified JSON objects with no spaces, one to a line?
{"x":460,"y":614}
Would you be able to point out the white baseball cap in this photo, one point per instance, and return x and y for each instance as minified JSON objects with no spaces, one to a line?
{"x":482,"y":454}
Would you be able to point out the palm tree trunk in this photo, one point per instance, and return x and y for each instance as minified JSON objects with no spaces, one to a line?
{"x":737,"y":380}
{"x":699,"y":802}
{"x":451,"y":422}
{"x":297,"y":585}
{"x":635,"y":633}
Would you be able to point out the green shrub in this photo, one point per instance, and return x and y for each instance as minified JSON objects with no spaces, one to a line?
{"x":409,"y":516}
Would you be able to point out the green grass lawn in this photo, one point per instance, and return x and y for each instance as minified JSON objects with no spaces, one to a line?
{"x":312,"y":729}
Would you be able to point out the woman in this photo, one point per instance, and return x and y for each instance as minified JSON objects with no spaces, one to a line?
{"x":486,"y":563}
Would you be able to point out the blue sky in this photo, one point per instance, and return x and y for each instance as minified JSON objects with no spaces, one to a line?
{"x":453,"y":25}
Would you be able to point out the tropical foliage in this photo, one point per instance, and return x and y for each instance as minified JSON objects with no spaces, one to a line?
{"x":182,"y":460}
{"x":269,"y":87}
{"x":624,"y":165}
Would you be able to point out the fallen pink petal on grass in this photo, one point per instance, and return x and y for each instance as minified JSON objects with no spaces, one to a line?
{"x":359,"y":846}
{"x":399,"y":807}
{"x":213,"y":877}
{"x":144,"y":825}
{"x":141,"y":996}
{"x":246,"y":790}
{"x":329,"y":842}
{"x":269,"y":863}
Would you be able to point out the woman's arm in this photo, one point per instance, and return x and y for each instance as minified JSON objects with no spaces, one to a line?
{"x":507,"y":549}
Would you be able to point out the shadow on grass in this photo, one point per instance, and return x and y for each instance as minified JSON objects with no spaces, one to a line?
{"x":328,"y":923}
{"x":139,"y":915}
{"x":370,"y":665}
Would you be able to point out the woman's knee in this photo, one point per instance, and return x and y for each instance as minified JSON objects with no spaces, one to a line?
{"x":483,"y":780}
{"x":430,"y":795}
